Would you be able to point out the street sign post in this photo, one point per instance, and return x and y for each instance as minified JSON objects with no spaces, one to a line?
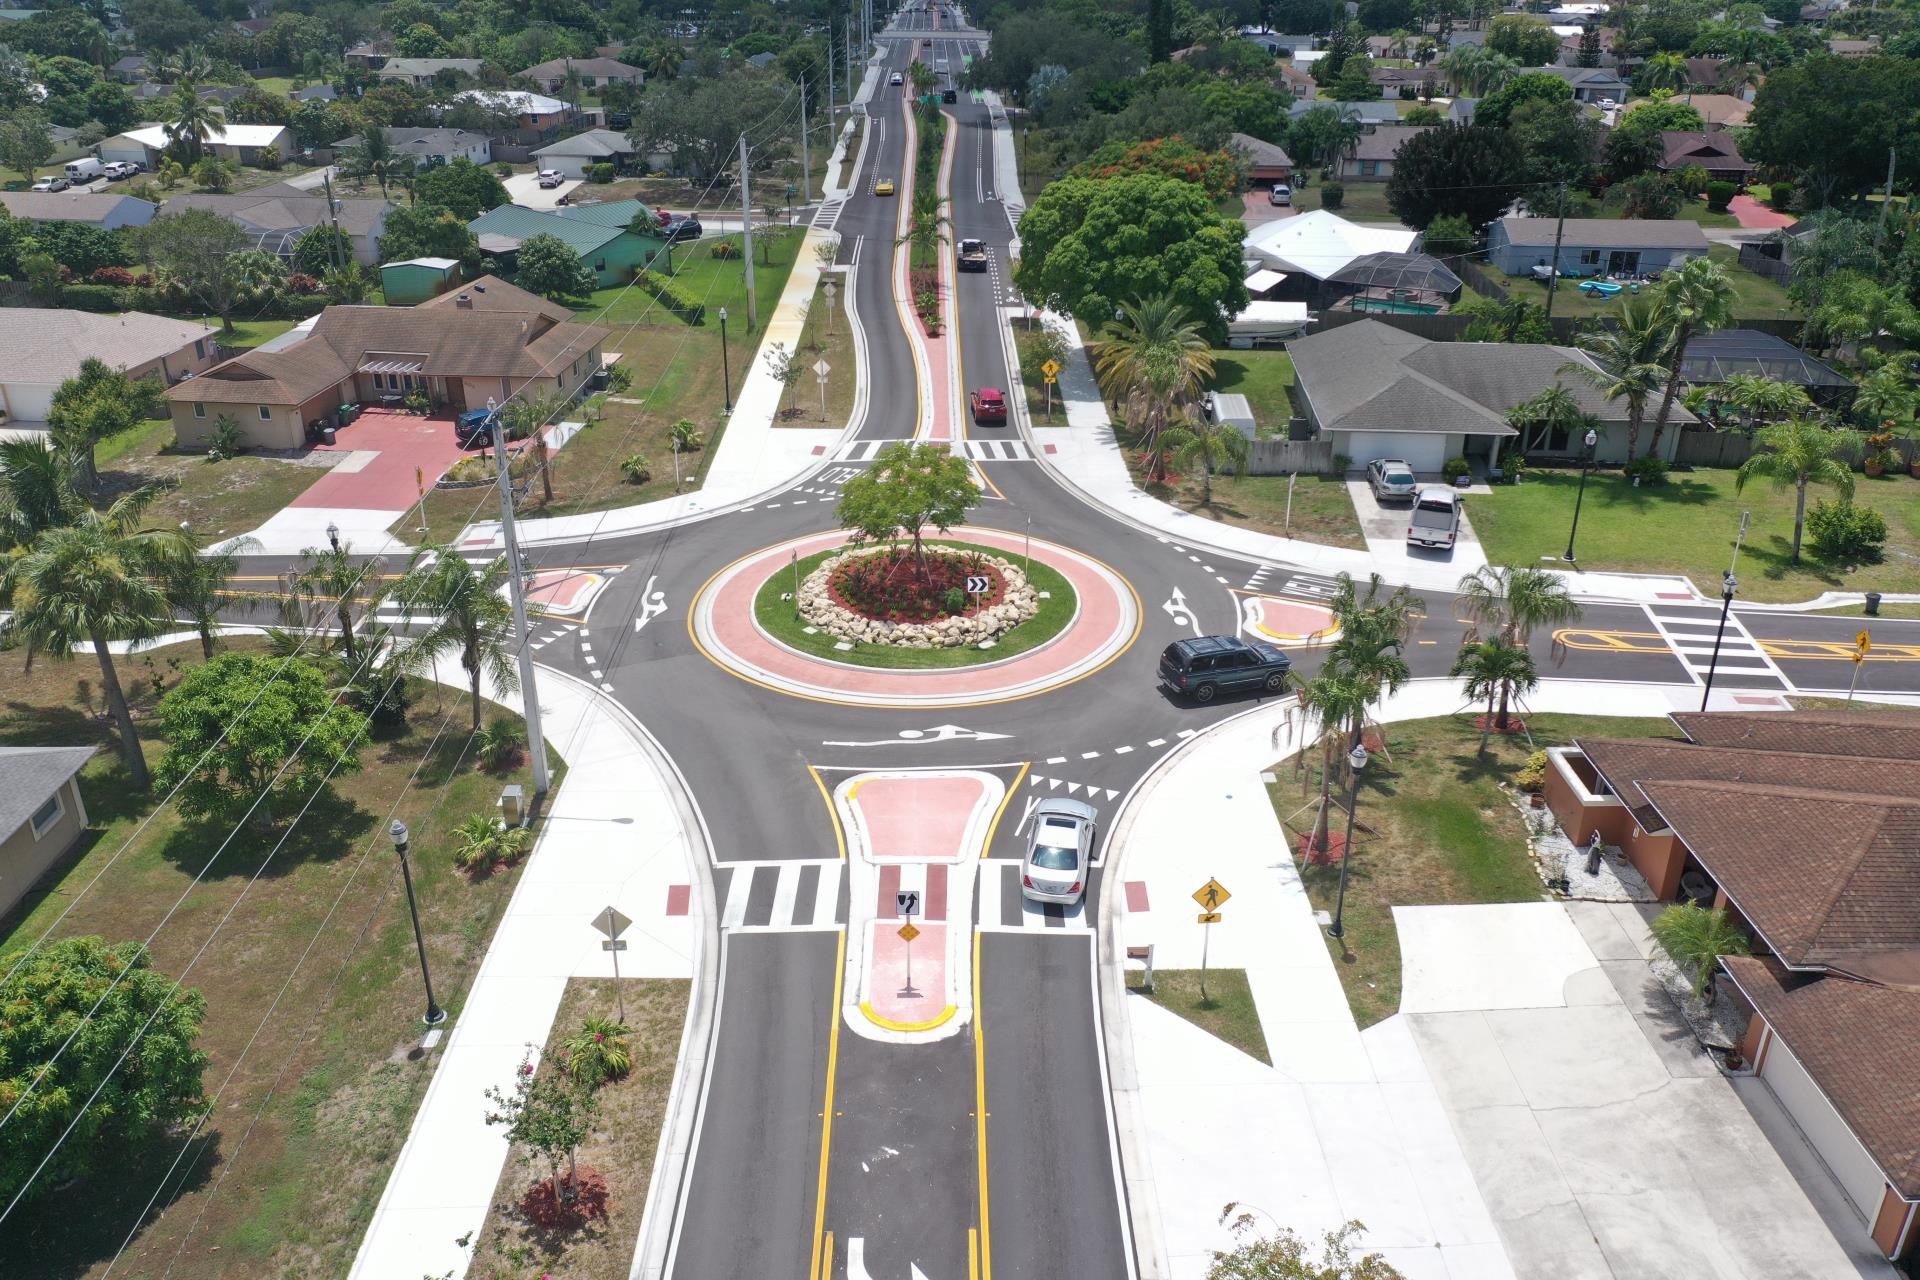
{"x":906,"y":902}
{"x":820,"y":370}
{"x":907,"y":934}
{"x":1862,"y":646}
{"x":1211,"y":896}
{"x":1049,"y":372}
{"x":978,"y":584}
{"x":613,"y":924}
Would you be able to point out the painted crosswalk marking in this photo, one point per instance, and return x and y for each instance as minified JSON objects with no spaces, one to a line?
{"x":796,"y":894}
{"x":998,"y":450}
{"x":1689,"y":631}
{"x":1000,"y":907}
{"x":1318,"y":586}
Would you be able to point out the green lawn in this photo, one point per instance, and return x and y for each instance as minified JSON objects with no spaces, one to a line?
{"x":1756,"y":297}
{"x":216,"y":499}
{"x":778,"y":617}
{"x":1319,"y":510}
{"x":1227,"y":1012}
{"x":1688,"y":525}
{"x":676,"y":373}
{"x":1265,"y":378}
{"x":1364,"y":201}
{"x":247,"y":334}
{"x":278,"y":1183}
{"x":1436,"y":829}
{"x":278,"y":86}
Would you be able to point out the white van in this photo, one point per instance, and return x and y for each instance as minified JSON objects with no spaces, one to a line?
{"x":85,"y":169}
{"x":1434,"y":520}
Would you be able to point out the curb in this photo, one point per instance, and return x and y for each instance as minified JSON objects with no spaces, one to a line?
{"x":671,"y":1161}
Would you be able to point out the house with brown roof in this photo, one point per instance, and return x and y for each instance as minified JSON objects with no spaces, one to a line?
{"x":551,"y":76}
{"x":1266,"y":162}
{"x":1805,"y":827}
{"x":1717,"y":153}
{"x":1371,"y":159}
{"x":1720,"y":110}
{"x":460,"y":351}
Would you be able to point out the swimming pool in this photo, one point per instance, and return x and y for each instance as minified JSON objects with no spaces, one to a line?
{"x":1393,"y":306}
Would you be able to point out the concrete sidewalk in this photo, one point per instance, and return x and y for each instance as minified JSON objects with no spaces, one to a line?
{"x":1346,"y":1123}
{"x":754,"y":458}
{"x":619,"y":832}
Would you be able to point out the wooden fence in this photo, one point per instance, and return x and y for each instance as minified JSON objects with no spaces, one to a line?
{"x":1284,"y":457}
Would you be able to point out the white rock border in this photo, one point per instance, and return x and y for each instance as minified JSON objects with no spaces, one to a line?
{"x":1018,"y":603}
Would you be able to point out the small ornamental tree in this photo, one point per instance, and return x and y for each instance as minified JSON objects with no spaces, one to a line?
{"x":1284,"y":1255}
{"x":462,"y":186}
{"x":246,"y":724}
{"x":907,"y":488}
{"x":550,"y":1116}
{"x":550,"y":268}
{"x":109,"y":1087}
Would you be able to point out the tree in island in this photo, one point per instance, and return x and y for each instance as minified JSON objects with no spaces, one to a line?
{"x":548,"y":1116}
{"x":907,"y":488}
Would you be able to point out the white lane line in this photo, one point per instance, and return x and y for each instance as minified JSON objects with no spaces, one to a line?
{"x":1089,"y":755}
{"x":1121,"y":751}
{"x":1056,"y":759}
{"x":1157,"y":742}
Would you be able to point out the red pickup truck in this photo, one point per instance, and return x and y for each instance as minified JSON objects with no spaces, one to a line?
{"x":988,"y":405}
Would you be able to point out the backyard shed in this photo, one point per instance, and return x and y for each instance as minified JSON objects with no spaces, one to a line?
{"x":417,"y":279}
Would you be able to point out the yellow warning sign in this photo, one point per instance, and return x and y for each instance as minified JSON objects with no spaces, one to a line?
{"x":1209,"y":917}
{"x":1211,"y":896}
{"x":907,"y":932}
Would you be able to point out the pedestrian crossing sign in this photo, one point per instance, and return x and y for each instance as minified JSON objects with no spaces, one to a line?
{"x":1051,"y":369}
{"x":1211,"y":896}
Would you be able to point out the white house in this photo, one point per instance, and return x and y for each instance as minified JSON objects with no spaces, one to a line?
{"x":1306,"y":250}
{"x":571,"y":156}
{"x":240,"y":143}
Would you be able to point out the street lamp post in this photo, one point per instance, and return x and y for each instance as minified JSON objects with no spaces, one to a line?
{"x":1357,"y":758}
{"x":398,"y":833}
{"x":1728,"y":585}
{"x":726,"y":374}
{"x":333,"y":535}
{"x":1586,"y":465}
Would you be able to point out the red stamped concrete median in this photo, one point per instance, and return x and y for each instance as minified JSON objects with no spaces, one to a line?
{"x":1105,"y":623}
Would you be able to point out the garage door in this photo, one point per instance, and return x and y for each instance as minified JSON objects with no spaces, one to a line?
{"x":1835,"y":1144}
{"x":1425,"y":452}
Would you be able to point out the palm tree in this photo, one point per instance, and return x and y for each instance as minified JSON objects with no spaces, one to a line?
{"x":1334,"y":702}
{"x":1496,"y":671}
{"x":333,"y":577}
{"x":1215,"y":29}
{"x":662,"y":59}
{"x":469,"y":613}
{"x":192,"y":65}
{"x":1885,"y":396}
{"x":1665,"y":71}
{"x":190,"y":119}
{"x":39,"y":490}
{"x":374,"y":157}
{"x":93,"y":581}
{"x":1629,"y":362}
{"x":1155,"y":366}
{"x":1513,"y":601}
{"x":1694,"y":938}
{"x":1800,"y":452}
{"x":198,"y":590}
{"x":1553,"y":411}
{"x":926,"y":226}
{"x":1210,"y":446}
{"x":1369,"y":651}
{"x":1761,"y":401}
{"x":1697,"y":300}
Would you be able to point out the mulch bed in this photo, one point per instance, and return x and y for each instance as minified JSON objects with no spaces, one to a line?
{"x":889,"y":587}
{"x":547,"y":1211}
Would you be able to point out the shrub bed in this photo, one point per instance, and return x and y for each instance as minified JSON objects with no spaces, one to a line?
{"x":883,"y":596}
{"x":676,"y":297}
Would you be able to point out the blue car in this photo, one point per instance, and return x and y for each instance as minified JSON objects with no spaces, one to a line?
{"x":475,"y":427}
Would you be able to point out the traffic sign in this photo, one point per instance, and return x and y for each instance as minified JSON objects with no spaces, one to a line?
{"x":1211,"y":896}
{"x":1052,"y":369}
{"x":611,"y":923}
{"x":1864,"y":642}
{"x":614,"y":944}
{"x":1209,"y":917}
{"x":907,"y":932}
{"x":822,"y":368}
{"x":978,"y":584}
{"x":906,"y":902}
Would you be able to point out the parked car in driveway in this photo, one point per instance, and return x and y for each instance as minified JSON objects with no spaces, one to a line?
{"x":1205,"y":667}
{"x":1060,"y":836}
{"x":119,"y":169}
{"x":50,"y":184}
{"x":1391,"y":478}
{"x":473,"y":428}
{"x":1435,"y":519}
{"x":972,"y":255}
{"x":988,"y":405}
{"x":551,"y":178}
{"x":675,"y":229}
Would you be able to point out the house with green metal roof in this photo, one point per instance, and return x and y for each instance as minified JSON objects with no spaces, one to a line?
{"x":601,"y":238}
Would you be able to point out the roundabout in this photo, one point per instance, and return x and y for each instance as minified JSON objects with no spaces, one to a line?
{"x":743,"y":620}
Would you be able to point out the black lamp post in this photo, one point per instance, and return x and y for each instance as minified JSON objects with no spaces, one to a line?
{"x":1728,"y":585}
{"x":1357,"y":758}
{"x":333,"y":534}
{"x":398,"y":832}
{"x":1586,"y":465}
{"x":726,"y":374}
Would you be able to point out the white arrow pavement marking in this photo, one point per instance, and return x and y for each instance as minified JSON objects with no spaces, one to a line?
{"x":1025,"y":814}
{"x":1176,"y":608}
{"x":857,"y":1262}
{"x":652,"y":604}
{"x":939,"y":733}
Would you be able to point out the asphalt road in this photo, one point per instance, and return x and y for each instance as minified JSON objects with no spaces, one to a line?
{"x":903,"y":1174}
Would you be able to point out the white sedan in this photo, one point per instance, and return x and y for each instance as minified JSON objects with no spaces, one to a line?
{"x":1059,"y":850}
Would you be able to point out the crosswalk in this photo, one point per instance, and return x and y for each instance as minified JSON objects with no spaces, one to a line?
{"x":1689,"y":631}
{"x":978,"y":450}
{"x":1315,"y":586}
{"x":790,"y":895}
{"x":393,"y":610}
{"x":1000,"y":908}
{"x":827,"y":216}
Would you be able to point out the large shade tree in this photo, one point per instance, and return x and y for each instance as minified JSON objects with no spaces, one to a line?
{"x":1088,"y":246}
{"x":1468,"y":170}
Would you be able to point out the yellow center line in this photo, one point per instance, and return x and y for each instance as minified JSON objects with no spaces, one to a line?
{"x":833,"y":812}
{"x":1005,"y":800}
{"x":822,"y":1242}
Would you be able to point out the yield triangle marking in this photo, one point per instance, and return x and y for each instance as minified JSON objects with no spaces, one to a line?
{"x":1053,"y":784}
{"x":1033,"y":780}
{"x":1112,"y":794}
{"x":1072,"y":787}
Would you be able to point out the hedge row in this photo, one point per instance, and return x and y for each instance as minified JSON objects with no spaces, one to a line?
{"x":678,"y":300}
{"x":110,"y":299}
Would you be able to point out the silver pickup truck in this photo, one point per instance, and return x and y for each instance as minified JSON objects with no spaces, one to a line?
{"x":1434,"y":520}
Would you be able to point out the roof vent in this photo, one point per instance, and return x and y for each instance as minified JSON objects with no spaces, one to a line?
{"x":479,"y":288}
{"x":463,"y":301}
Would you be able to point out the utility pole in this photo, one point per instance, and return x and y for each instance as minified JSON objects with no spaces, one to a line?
{"x":848,"y":26}
{"x":746,"y":234}
{"x":1553,"y":264}
{"x":806,"y":164}
{"x":1886,"y":201}
{"x":333,"y":215}
{"x":517,"y":592}
{"x":829,"y":76}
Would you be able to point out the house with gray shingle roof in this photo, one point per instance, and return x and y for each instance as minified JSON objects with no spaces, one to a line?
{"x":1595,"y":246}
{"x":422,"y":71}
{"x":41,"y":347}
{"x":1381,"y":392}
{"x":276,"y":217}
{"x":41,"y":813}
{"x":104,"y":209}
{"x":571,"y":156}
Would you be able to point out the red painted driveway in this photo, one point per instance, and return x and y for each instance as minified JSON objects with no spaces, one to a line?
{"x":385,"y":483}
{"x":1756,"y":216}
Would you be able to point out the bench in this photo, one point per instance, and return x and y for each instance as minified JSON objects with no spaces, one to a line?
{"x":1144,"y":955}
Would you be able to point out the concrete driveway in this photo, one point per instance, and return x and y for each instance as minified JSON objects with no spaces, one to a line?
{"x":1605,"y":1143}
{"x":524,"y":190}
{"x":1385,"y":529}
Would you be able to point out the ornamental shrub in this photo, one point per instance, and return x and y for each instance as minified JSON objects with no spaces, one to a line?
{"x":1844,"y":531}
{"x":1780,"y":198}
{"x":1720,"y":195}
{"x":1648,"y":470}
{"x":1455,"y":468}
{"x":1333,"y":195}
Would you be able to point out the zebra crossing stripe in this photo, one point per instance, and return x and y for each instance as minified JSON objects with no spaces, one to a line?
{"x":1001,"y":908}
{"x":779,"y":889}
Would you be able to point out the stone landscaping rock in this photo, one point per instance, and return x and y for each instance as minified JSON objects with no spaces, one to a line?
{"x":1018,"y":603}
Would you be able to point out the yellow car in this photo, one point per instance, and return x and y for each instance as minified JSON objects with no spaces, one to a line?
{"x":884,"y":187}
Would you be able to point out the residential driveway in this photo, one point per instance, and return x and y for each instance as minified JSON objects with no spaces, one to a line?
{"x":1257,"y":209}
{"x":1385,"y":529}
{"x":524,"y":190}
{"x":1605,"y":1143}
{"x":1754,"y":215}
{"x":383,"y":450}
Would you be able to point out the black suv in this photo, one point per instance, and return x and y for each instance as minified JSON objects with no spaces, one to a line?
{"x":673,"y":230}
{"x":1205,"y":666}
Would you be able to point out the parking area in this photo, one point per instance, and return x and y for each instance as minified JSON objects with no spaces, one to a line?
{"x":1385,"y":529}
{"x":384,"y":449}
{"x":1604,"y":1141}
{"x":524,"y":189}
